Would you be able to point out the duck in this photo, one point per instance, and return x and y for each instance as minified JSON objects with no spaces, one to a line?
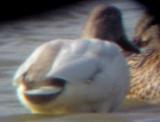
{"x":144,"y":67}
{"x":66,"y":76}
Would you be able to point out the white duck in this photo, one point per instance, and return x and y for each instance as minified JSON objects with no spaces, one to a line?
{"x":67,"y":76}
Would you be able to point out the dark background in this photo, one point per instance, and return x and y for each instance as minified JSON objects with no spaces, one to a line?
{"x":152,"y":7}
{"x":15,"y":9}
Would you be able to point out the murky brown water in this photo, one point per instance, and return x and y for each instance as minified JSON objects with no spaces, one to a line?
{"x":18,"y":39}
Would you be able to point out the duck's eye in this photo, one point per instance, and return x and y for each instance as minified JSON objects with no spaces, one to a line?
{"x":144,"y":43}
{"x":28,"y":81}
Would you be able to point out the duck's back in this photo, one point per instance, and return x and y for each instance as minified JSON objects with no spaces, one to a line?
{"x":91,"y":54}
{"x":56,"y":54}
{"x":99,"y":62}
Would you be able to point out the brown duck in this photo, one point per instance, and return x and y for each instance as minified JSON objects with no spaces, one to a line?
{"x":145,"y":67}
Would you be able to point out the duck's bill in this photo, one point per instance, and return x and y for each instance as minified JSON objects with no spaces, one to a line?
{"x":43,"y":91}
{"x":129,"y":46}
{"x":42,"y":95}
{"x":136,"y":41}
{"x":50,"y":91}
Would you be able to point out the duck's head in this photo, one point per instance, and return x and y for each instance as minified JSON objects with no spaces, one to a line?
{"x":40,"y":91}
{"x":105,"y":23}
{"x":149,"y":38}
{"x":46,"y":96}
{"x":147,"y":33}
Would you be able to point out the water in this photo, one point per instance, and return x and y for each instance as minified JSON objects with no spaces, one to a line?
{"x":18,"y":39}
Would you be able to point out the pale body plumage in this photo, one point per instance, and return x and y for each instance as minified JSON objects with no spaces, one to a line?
{"x":95,"y":71}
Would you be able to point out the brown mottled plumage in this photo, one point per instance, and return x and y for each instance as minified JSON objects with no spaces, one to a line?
{"x":145,"y":67}
{"x":144,"y":23}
